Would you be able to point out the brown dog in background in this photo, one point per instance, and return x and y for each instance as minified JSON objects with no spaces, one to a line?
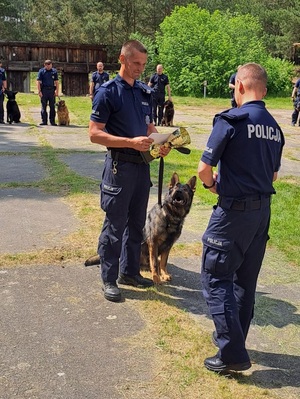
{"x":168,"y":114}
{"x":163,"y":227}
{"x":63,"y":113}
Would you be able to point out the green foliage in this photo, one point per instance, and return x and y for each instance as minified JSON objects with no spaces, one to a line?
{"x":194,"y":47}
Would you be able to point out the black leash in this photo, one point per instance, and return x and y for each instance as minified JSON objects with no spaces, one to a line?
{"x":160,"y":180}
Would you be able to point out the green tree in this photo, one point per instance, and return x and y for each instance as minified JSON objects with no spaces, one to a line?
{"x":196,"y":46}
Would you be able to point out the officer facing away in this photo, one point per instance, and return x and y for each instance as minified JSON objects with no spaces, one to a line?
{"x":47,"y":85}
{"x":246,"y":143}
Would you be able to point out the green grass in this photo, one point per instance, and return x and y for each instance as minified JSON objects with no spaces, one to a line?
{"x":285,"y":207}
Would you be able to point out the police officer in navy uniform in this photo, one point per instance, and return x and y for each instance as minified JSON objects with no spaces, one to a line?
{"x":121,"y":120}
{"x":3,"y":86}
{"x":296,"y":101}
{"x":246,"y":143}
{"x":231,"y":86}
{"x":47,"y":85}
{"x":159,"y":83}
{"x":98,"y":78}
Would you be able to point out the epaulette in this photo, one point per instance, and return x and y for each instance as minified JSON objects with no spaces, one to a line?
{"x":144,"y":87}
{"x":232,"y":114}
{"x":108,"y":83}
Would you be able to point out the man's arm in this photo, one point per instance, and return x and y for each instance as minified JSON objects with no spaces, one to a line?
{"x":92,"y":85}
{"x":207,"y":176}
{"x":169,"y":91}
{"x":99,"y":136}
{"x":56,"y":84}
{"x":4,"y":84}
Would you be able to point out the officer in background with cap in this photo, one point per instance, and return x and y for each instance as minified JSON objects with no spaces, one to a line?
{"x":47,"y":85}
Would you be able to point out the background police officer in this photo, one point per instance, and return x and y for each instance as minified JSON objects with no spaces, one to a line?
{"x":47,"y":85}
{"x":296,"y":100}
{"x":3,"y":86}
{"x":121,"y":120}
{"x":159,"y":82}
{"x":98,"y":78}
{"x":246,"y":143}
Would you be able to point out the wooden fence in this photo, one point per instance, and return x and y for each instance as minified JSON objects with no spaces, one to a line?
{"x":73,"y":62}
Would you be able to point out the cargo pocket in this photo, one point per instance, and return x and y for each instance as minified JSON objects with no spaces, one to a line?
{"x":109,"y":193}
{"x":218,"y":315}
{"x":221,"y":257}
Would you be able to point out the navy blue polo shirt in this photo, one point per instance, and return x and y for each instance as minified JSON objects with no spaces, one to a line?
{"x":298,"y":87}
{"x":99,"y":79}
{"x":246,"y":144}
{"x":125,"y":110}
{"x":159,"y":83}
{"x":47,"y":77}
{"x":2,"y":76}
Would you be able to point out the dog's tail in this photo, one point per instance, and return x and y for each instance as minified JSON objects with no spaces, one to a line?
{"x":92,"y":261}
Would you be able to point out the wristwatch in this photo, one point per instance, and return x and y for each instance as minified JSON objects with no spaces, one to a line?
{"x":205,"y":186}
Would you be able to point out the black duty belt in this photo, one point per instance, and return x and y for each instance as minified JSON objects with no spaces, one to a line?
{"x":121,"y":156}
{"x":48,"y":87}
{"x":245,"y":204}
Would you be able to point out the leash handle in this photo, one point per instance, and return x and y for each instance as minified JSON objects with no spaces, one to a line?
{"x":160,"y":180}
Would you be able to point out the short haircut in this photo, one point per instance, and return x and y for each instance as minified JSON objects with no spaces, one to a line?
{"x":131,"y":45}
{"x":253,"y":73}
{"x":48,"y":62}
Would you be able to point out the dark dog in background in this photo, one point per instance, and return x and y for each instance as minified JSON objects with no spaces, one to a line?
{"x":63,"y":113}
{"x":164,"y":226}
{"x":168,"y":114}
{"x":12,"y":108}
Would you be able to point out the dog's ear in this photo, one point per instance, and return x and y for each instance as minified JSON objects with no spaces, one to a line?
{"x":174,"y":180}
{"x":192,"y":183}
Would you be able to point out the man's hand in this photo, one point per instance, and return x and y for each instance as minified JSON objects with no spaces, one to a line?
{"x":141,"y":143}
{"x":164,"y":150}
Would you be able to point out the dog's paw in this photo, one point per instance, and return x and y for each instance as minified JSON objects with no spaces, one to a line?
{"x":166,"y":277}
{"x":156,"y":279}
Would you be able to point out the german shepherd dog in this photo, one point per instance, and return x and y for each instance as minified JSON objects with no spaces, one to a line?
{"x":163,"y":227}
{"x":12,"y":108}
{"x":63,"y":113}
{"x":168,"y":113}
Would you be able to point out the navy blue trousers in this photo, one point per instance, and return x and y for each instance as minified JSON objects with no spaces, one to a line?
{"x":1,"y":106}
{"x":158,"y":101}
{"x":124,"y":199}
{"x":234,"y":245}
{"x":48,"y":98}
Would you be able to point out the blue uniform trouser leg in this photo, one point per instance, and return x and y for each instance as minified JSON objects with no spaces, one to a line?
{"x":44,"y":102}
{"x":295,"y":115}
{"x":233,"y":248}
{"x":1,"y":106}
{"x":124,"y":198}
{"x":48,"y":98}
